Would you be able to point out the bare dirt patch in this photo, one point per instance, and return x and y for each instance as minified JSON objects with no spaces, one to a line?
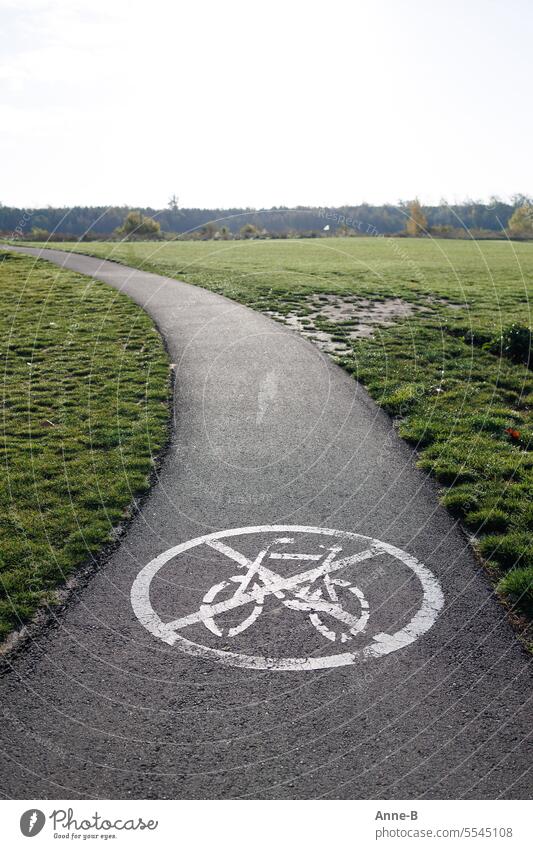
{"x":333,"y":321}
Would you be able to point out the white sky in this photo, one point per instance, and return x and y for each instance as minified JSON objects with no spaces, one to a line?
{"x":247,"y":104}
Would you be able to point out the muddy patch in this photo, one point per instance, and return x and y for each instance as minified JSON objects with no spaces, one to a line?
{"x":333,"y":321}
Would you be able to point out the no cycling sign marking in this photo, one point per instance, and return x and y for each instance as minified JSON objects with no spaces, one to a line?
{"x":321,"y":590}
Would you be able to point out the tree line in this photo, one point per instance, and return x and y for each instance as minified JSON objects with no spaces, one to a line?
{"x":409,"y":218}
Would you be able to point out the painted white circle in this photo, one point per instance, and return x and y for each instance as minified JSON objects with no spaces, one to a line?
{"x":314,"y":592}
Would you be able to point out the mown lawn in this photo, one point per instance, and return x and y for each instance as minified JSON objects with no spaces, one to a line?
{"x":440,"y":373}
{"x":84,"y":410}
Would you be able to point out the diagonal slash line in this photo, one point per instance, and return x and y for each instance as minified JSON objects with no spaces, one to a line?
{"x":274,"y":584}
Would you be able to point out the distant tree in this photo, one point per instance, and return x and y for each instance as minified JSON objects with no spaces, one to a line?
{"x":38,"y":234}
{"x":249,"y":231}
{"x":208,"y":231}
{"x":520,"y":200}
{"x":521,"y":221}
{"x":416,"y":222}
{"x":137,"y":224}
{"x":224,"y":233}
{"x":344,"y":231}
{"x":173,"y":203}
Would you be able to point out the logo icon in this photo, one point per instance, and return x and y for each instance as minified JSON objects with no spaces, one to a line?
{"x":302,"y":591}
{"x":32,"y":822}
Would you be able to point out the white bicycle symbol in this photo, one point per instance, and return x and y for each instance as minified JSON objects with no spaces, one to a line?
{"x":314,"y":592}
{"x":334,"y":606}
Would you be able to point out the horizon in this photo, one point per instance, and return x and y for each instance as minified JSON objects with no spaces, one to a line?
{"x":489,"y":202}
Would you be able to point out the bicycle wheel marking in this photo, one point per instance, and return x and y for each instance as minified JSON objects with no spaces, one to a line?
{"x":321,"y":591}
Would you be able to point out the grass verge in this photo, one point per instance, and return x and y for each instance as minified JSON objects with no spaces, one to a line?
{"x":440,"y":373}
{"x":84,"y":411}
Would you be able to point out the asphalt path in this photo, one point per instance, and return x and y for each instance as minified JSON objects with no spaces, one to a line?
{"x":280,"y":662}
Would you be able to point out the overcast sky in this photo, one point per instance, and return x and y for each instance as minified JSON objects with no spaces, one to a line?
{"x":247,"y":104}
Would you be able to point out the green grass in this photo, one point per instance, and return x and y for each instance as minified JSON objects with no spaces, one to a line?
{"x":451,"y":397}
{"x":84,"y":410}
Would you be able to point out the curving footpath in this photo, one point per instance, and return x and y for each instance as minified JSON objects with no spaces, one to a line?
{"x":278,"y":661}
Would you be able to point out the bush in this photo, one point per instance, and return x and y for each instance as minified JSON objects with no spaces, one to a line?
{"x":514,"y":343}
{"x":39,"y":234}
{"x":249,"y":231}
{"x":137,"y":225}
{"x":521,"y":221}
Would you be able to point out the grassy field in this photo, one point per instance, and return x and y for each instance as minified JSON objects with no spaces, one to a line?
{"x":84,"y":409}
{"x":440,"y":373}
